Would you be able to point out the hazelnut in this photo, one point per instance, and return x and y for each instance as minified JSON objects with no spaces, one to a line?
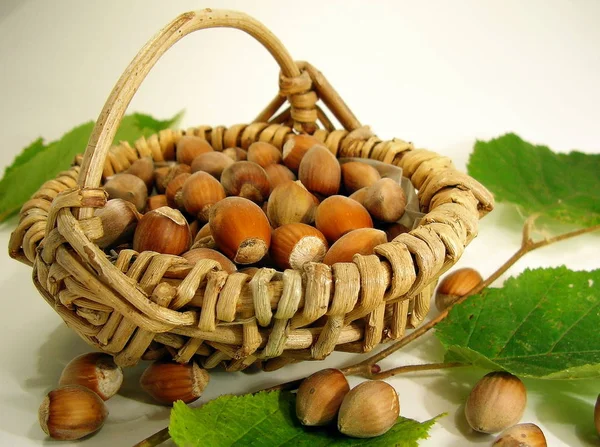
{"x":385,"y":200}
{"x":338,"y":215}
{"x":521,"y":435}
{"x":96,"y":371}
{"x":295,"y":148}
{"x":144,"y":169}
{"x":246,"y":179}
{"x":240,"y":229}
{"x":359,"y":195}
{"x":189,"y":147}
{"x":320,"y":396}
{"x":295,"y":244}
{"x":199,"y":193}
{"x":456,"y":285}
{"x":127,"y":187}
{"x":368,"y":410}
{"x":119,"y":219}
{"x":279,"y":174}
{"x":168,"y":382}
{"x":196,"y":254}
{"x":291,"y":203}
{"x":164,"y":175}
{"x":496,"y":402}
{"x":71,"y":412}
{"x":236,"y":153}
{"x":203,"y":232}
{"x":320,"y":171}
{"x":163,"y":230}
{"x":212,"y":162}
{"x":156,"y":201}
{"x":173,"y":192}
{"x":362,"y":241}
{"x":264,"y":154}
{"x":357,"y":175}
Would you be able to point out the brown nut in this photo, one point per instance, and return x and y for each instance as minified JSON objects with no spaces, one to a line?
{"x":456,"y":285}
{"x":189,"y":147}
{"x":359,"y":195}
{"x":357,"y":175}
{"x":521,"y":435}
{"x":295,"y":244}
{"x":127,"y":187}
{"x":246,"y":179}
{"x":338,"y":215}
{"x":96,"y":371}
{"x":119,"y":219}
{"x":199,"y":193}
{"x":211,"y":162}
{"x":263,"y":154}
{"x":164,"y":175}
{"x":279,"y":174}
{"x":163,"y":230}
{"x":320,"y":171}
{"x":291,"y":203}
{"x":368,"y":410}
{"x":196,"y":254}
{"x":496,"y":402}
{"x":295,"y":148}
{"x":173,"y":192}
{"x":168,"y":382}
{"x":236,"y":153}
{"x":385,"y":200}
{"x":156,"y":201}
{"x":71,"y":412}
{"x":144,"y":169}
{"x":320,"y":396}
{"x":240,"y":229}
{"x":362,"y":241}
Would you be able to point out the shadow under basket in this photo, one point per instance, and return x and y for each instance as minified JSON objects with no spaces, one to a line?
{"x":140,"y":305}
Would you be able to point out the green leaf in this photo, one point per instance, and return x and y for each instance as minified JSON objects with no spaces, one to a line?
{"x":268,"y":419}
{"x":565,"y":187}
{"x":543,"y":323}
{"x":40,"y":162}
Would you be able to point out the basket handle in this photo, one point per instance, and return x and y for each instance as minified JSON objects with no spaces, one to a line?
{"x":106,"y":126}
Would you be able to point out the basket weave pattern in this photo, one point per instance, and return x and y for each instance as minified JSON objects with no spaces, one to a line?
{"x":149,"y":305}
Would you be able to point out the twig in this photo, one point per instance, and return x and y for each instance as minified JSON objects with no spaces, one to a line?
{"x":368,"y":368}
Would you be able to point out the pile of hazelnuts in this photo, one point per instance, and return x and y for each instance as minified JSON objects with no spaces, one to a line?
{"x":260,"y":207}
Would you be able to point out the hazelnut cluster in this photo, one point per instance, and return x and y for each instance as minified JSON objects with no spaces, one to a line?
{"x":262,"y":207}
{"x":77,"y":407}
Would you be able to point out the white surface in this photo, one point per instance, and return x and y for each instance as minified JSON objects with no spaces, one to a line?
{"x":441,"y":74}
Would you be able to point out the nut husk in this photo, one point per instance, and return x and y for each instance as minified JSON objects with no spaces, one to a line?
{"x":320,"y":396}
{"x":368,"y":410}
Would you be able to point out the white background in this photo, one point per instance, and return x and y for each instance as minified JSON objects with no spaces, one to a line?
{"x":438,"y":73}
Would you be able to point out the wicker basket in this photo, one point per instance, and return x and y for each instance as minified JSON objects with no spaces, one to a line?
{"x":134,"y":307}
